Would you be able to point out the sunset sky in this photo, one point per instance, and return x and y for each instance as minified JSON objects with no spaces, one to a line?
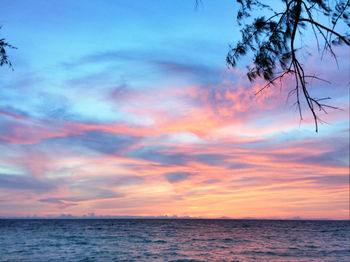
{"x":120,"y":107}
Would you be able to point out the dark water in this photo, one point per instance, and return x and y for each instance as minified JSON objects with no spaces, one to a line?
{"x":174,"y":240}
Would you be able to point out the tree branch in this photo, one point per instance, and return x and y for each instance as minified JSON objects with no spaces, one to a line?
{"x":327,"y":29}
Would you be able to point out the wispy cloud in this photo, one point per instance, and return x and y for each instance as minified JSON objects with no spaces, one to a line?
{"x":22,"y":182}
{"x":174,"y":177}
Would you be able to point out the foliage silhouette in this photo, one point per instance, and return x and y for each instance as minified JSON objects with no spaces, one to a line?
{"x":272,"y":40}
{"x":3,"y":55}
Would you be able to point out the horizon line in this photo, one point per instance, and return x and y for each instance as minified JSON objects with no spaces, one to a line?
{"x":91,"y":217}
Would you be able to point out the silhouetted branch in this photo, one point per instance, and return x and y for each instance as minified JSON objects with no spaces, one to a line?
{"x":327,"y":29}
{"x":272,"y":40}
{"x":3,"y":55}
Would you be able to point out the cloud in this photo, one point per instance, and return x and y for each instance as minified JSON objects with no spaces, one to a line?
{"x":211,"y":181}
{"x":315,"y":155}
{"x":103,"y":142}
{"x":23,"y":130}
{"x":86,"y":195}
{"x":100,"y":194}
{"x":329,"y":180}
{"x":171,"y":66}
{"x":174,"y":177}
{"x":113,"y":180}
{"x":238,"y":165}
{"x":60,"y":202}
{"x":199,"y":72}
{"x":338,"y":158}
{"x":21,"y":182}
{"x":12,"y":112}
{"x":229,"y":161}
{"x":121,"y":92}
{"x":99,"y":57}
{"x":211,"y":159}
{"x":158,"y":154}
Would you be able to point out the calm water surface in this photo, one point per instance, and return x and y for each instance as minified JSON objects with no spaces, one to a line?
{"x":174,"y":240}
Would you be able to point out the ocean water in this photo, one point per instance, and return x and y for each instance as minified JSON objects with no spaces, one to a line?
{"x":174,"y":240}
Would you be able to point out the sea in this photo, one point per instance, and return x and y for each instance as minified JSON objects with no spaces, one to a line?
{"x":173,"y":240}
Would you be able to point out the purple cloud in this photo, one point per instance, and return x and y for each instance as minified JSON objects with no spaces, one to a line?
{"x":174,"y":177}
{"x":21,"y":182}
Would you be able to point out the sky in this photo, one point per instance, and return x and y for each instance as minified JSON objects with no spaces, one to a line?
{"x":127,"y":108}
